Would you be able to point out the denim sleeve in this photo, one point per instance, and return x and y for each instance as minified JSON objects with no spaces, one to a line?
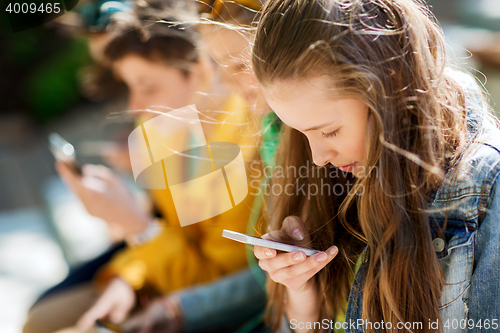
{"x":225,"y":303}
{"x":485,"y":282}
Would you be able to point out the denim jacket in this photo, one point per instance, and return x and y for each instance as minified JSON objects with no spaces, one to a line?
{"x":469,"y":252}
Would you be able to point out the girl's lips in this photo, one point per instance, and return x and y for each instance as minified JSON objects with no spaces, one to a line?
{"x":348,"y":168}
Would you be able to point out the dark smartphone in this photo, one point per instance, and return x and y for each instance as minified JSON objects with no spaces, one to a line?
{"x":107,"y":327}
{"x":64,"y":151}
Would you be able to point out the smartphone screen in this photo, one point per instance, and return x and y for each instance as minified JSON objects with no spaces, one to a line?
{"x":242,"y":238}
{"x":64,"y":151}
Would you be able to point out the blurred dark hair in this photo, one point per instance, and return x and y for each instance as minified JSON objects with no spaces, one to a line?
{"x":157,"y":31}
{"x":97,"y":82}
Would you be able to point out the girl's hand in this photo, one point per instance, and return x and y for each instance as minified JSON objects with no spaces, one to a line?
{"x":293,"y":270}
{"x":114,"y":304}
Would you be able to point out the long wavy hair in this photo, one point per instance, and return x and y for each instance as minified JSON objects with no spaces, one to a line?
{"x":390,"y":54}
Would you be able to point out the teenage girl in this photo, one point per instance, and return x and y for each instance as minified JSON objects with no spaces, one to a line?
{"x":409,"y":160}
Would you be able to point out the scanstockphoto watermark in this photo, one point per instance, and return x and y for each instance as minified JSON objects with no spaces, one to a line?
{"x":322,"y":174}
{"x":483,"y":324}
{"x":358,"y":324}
{"x":310,"y":190}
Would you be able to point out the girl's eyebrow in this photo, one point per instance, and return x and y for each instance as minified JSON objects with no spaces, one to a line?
{"x":317,"y":127}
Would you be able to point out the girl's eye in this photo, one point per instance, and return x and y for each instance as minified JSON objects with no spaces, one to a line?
{"x":331,"y":134}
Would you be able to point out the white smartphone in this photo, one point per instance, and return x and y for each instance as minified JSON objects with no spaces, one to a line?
{"x":242,"y":238}
{"x":64,"y":151}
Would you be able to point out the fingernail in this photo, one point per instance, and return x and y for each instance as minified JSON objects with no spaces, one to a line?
{"x":299,"y":256}
{"x":269,"y":253}
{"x":333,"y":250}
{"x":322,"y":256}
{"x":297,"y":234}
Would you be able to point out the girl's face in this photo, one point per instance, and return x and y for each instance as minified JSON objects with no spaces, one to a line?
{"x":335,"y":126}
{"x":152,"y":83}
{"x":230,"y":49}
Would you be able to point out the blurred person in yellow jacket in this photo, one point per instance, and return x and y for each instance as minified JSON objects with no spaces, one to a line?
{"x":162,"y":65}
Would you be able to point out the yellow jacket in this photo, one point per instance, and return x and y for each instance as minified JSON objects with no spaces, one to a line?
{"x":179,"y":257}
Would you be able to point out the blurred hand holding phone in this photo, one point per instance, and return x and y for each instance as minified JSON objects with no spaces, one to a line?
{"x":103,"y":193}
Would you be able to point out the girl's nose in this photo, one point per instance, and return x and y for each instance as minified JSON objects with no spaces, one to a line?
{"x":321,"y":153}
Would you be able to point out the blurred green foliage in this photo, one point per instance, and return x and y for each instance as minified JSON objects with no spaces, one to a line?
{"x":53,"y":86}
{"x":39,"y":69}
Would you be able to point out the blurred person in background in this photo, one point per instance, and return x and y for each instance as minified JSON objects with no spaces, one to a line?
{"x":146,"y":55}
{"x":226,"y":30}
